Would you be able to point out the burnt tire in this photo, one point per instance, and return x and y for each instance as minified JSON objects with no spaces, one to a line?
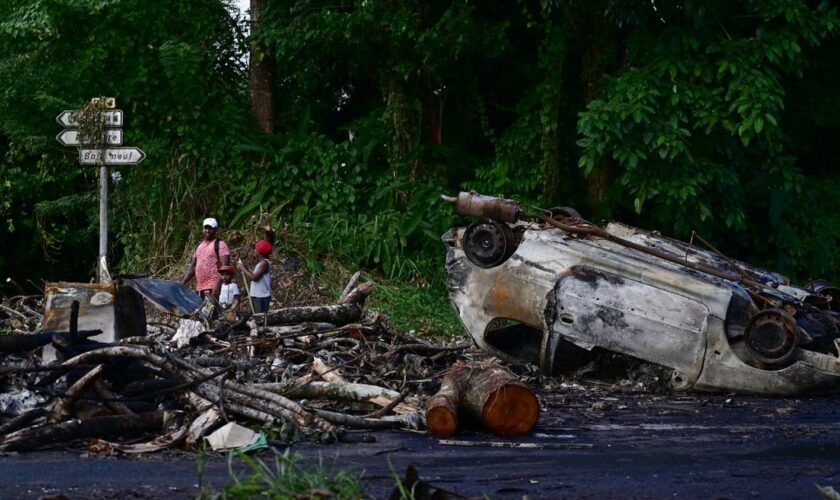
{"x":488,"y":243}
{"x":772,"y":337}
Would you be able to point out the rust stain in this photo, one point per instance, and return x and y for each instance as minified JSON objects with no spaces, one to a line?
{"x":507,"y":301}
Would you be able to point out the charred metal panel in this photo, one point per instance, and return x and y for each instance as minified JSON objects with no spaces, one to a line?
{"x":811,"y":372}
{"x":130,"y":313}
{"x":116,"y":310}
{"x":514,"y":291}
{"x":169,"y":296}
{"x":630,"y":317}
{"x":692,"y":253}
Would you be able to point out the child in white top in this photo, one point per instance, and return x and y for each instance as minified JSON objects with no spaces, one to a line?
{"x":229,"y":294}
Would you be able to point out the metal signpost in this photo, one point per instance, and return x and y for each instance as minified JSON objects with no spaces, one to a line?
{"x":111,"y":117}
{"x":70,"y":137}
{"x":103,"y":148}
{"x":111,"y":156}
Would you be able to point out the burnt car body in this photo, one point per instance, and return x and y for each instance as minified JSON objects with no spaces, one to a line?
{"x":544,"y":291}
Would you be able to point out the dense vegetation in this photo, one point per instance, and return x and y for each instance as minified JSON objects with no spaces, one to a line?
{"x":718,"y":117}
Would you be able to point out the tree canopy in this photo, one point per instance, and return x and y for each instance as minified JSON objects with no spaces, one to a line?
{"x":717,"y":117}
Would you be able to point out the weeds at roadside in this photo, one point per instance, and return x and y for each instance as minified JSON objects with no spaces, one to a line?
{"x":285,"y":478}
{"x":410,"y":306}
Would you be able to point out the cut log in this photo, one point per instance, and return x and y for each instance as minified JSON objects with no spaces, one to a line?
{"x":499,"y":400}
{"x":442,"y":409}
{"x":442,"y":413}
{"x":339,"y":314}
{"x":348,"y":311}
{"x":488,"y":394}
{"x":357,"y":295}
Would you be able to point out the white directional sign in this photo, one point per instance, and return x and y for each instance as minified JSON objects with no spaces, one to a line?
{"x":111,"y":156}
{"x":70,"y":137}
{"x":111,"y":117}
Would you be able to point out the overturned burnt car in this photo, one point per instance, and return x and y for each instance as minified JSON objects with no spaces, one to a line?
{"x":545,"y":288}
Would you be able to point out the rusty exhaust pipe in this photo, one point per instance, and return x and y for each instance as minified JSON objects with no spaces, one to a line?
{"x":488,"y":207}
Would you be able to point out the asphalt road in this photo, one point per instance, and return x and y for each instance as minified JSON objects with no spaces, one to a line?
{"x":592,"y":442}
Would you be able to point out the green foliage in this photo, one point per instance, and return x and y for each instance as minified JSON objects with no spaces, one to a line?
{"x":286,"y":477}
{"x":719,"y":117}
{"x":175,"y":70}
{"x":695,"y":125}
{"x":421,"y":306}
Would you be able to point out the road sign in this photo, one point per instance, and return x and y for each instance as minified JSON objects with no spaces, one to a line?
{"x":112,"y":118}
{"x":111,"y":156}
{"x":70,"y":137}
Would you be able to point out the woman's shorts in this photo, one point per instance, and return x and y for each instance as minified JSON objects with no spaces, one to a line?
{"x":260,"y":304}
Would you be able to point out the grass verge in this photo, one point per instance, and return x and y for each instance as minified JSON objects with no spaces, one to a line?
{"x":409,"y":306}
{"x":415,"y":300}
{"x":285,"y":477}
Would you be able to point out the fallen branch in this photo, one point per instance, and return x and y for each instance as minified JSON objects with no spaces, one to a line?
{"x":30,"y":341}
{"x":63,"y":405}
{"x":339,"y":314}
{"x":350,"y":286}
{"x":356,"y":422}
{"x":46,"y":435}
{"x":22,"y":420}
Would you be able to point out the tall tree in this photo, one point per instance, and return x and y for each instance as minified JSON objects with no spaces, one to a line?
{"x":261,"y":75}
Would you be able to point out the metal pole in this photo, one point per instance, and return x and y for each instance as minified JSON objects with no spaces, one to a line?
{"x":103,"y":223}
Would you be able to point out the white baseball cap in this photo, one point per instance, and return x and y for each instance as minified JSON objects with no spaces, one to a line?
{"x":210,"y":221}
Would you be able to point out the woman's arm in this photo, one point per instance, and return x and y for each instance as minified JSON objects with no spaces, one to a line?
{"x":261,"y":269}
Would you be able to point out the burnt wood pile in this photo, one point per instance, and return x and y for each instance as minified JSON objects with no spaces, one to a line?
{"x":303,"y":372}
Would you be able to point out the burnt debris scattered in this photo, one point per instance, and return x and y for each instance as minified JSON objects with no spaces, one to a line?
{"x":298,"y":372}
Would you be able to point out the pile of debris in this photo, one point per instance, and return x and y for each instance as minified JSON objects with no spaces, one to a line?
{"x":302,"y":372}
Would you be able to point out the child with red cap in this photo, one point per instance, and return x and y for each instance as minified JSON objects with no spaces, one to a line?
{"x":260,"y":277}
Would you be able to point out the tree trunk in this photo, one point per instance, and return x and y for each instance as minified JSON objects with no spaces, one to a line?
{"x":348,"y":311}
{"x":553,"y":51}
{"x":442,"y":410}
{"x":338,"y":315}
{"x":504,"y":404}
{"x":488,"y":394}
{"x":601,"y":50}
{"x":261,"y":76}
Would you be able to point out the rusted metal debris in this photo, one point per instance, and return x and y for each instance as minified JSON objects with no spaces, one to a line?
{"x":310,"y":372}
{"x":549,"y":293}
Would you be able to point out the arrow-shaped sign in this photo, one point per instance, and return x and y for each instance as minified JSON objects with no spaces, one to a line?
{"x":111,"y":156}
{"x":70,"y":137}
{"x":111,"y":117}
